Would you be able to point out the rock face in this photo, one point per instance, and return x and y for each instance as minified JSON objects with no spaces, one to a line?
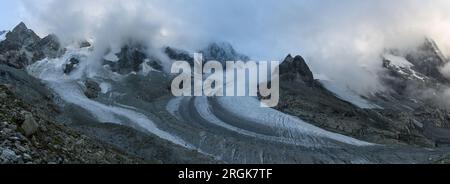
{"x":22,"y":47}
{"x":427,"y":59}
{"x":20,"y":37}
{"x":49,"y":46}
{"x":295,"y":69}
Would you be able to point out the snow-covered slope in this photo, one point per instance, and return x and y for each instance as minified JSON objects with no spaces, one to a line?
{"x":3,"y":35}
{"x":402,"y":67}
{"x":348,"y":95}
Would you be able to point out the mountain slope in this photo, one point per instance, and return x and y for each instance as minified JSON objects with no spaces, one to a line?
{"x":309,"y":100}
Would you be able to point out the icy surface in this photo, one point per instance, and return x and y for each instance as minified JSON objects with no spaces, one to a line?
{"x":249,"y":108}
{"x":284,"y":128}
{"x":398,"y":61}
{"x":348,"y":95}
{"x":69,"y":89}
{"x":106,"y":87}
{"x":111,"y":56}
{"x":2,"y":35}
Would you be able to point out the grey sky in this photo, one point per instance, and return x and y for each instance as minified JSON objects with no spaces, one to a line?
{"x":341,"y":39}
{"x":9,"y":14}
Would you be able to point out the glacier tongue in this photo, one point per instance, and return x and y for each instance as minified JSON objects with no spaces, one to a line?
{"x":294,"y":128}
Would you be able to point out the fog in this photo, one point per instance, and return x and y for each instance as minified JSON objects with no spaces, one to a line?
{"x":341,"y":40}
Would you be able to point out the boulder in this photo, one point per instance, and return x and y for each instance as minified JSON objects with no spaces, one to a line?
{"x":92,"y":89}
{"x":29,"y":125}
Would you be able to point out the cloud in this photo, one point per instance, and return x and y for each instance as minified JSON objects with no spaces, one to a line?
{"x":342,"y":40}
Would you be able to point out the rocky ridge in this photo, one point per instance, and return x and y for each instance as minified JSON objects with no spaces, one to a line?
{"x":23,"y":46}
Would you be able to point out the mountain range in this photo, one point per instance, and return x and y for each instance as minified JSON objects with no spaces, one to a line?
{"x":59,"y":107}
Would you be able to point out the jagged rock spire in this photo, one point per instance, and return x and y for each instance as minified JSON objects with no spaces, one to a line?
{"x":22,"y":36}
{"x":23,"y":46}
{"x":295,"y":69}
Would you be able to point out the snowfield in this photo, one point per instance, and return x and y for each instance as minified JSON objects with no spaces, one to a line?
{"x":2,"y":35}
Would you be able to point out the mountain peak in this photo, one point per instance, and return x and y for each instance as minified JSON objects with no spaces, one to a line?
{"x":21,"y":26}
{"x":22,"y":36}
{"x":222,"y":51}
{"x":296,"y":69}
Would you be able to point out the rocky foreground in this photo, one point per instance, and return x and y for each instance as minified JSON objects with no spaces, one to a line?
{"x":29,"y":136}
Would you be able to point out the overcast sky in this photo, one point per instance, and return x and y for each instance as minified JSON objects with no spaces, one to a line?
{"x":341,"y":39}
{"x":9,"y":14}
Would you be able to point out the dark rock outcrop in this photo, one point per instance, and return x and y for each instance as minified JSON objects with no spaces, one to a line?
{"x":295,"y":69}
{"x":69,"y":67}
{"x":179,"y":55}
{"x":92,"y":89}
